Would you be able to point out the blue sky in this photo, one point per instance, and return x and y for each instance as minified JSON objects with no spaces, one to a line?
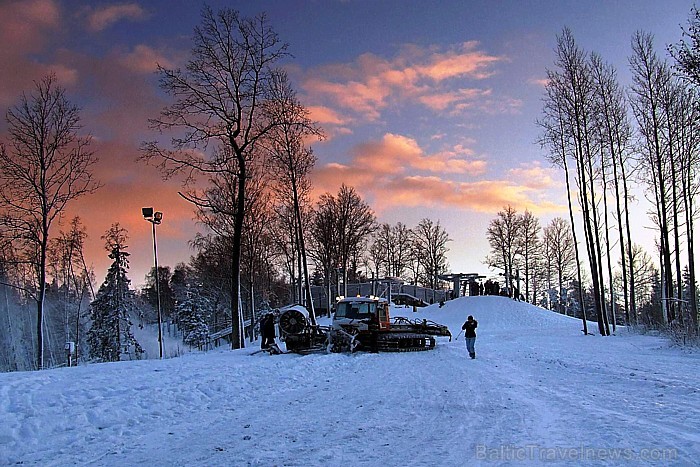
{"x":429,"y":107}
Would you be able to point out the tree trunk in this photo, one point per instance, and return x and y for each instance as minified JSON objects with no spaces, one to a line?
{"x":573,"y":232}
{"x":607,"y":242}
{"x":237,"y":339}
{"x":623,"y":256}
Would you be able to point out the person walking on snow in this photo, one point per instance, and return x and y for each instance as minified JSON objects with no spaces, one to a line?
{"x":469,"y":327}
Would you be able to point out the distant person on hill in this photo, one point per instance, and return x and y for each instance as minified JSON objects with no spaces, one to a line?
{"x":469,"y":327}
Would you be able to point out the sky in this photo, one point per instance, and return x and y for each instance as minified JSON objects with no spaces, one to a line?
{"x":428,"y":107}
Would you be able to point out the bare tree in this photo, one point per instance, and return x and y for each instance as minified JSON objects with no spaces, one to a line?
{"x":258,"y":245}
{"x":503,"y":234}
{"x":291,"y":163}
{"x":558,"y":141}
{"x":686,"y":117}
{"x":430,"y":244}
{"x":570,"y":117}
{"x":46,"y":165}
{"x":391,"y":249}
{"x":615,"y":135}
{"x":558,"y":242}
{"x":287,"y":242}
{"x":70,"y":271}
{"x":225,"y":98}
{"x":651,"y":80}
{"x":355,"y":222}
{"x":342,"y":226}
{"x":530,"y":249}
{"x":380,"y":251}
{"x":401,"y":251}
{"x":324,"y":245}
{"x":687,"y":56}
{"x":687,"y":51}
{"x":645,"y":274}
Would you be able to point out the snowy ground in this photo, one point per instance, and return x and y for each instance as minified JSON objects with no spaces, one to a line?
{"x":538,"y":391}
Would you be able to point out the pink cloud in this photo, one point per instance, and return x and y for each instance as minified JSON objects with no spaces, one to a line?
{"x":26,"y":28}
{"x":466,"y":60}
{"x":99,"y":19}
{"x":536,"y":176}
{"x":360,"y":98}
{"x":393,"y":154}
{"x":327,"y":178}
{"x":401,"y":154}
{"x":396,"y":172}
{"x":145,"y":59}
{"x":461,"y":98}
{"x":24,"y":22}
{"x":541,"y":82}
{"x":322,"y":114}
{"x":371,"y":83}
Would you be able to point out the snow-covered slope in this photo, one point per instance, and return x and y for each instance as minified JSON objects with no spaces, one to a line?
{"x":538,"y":390}
{"x":494,"y":314}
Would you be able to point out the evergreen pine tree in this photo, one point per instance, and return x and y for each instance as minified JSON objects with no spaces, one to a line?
{"x":193,"y":311}
{"x":110,"y":332}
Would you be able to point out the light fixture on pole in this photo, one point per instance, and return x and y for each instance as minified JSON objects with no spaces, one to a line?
{"x":156,"y":218}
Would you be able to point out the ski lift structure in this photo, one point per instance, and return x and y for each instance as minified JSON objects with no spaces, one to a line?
{"x":461,"y":281}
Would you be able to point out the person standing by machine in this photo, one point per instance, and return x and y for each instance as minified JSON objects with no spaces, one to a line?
{"x":267,"y":331}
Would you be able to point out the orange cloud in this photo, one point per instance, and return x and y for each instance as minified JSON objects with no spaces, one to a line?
{"x":395,"y":172}
{"x":481,"y":196}
{"x":100,"y":19}
{"x":399,"y":154}
{"x":371,"y":83}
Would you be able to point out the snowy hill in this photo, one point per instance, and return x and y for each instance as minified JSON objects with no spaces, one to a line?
{"x":495,"y":314}
{"x":538,"y":391}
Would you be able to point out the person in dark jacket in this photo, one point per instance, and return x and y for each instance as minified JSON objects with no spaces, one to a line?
{"x":267,"y":331}
{"x":469,"y":327}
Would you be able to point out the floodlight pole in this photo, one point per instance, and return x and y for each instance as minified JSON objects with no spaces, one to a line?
{"x":160,"y":319}
{"x":155,"y":218}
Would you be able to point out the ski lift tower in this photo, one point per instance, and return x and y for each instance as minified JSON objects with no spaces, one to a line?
{"x":460,"y":278}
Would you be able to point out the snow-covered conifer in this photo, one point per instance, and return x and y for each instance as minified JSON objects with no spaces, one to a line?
{"x":193,"y":311}
{"x":110,"y":333}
